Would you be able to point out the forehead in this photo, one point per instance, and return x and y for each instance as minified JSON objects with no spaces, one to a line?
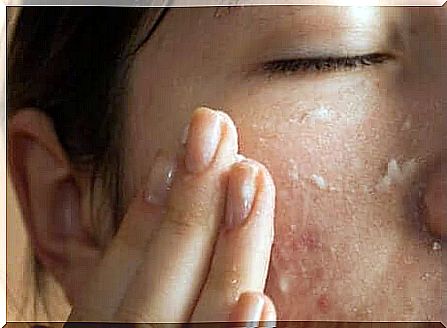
{"x":310,"y":16}
{"x":306,"y":17}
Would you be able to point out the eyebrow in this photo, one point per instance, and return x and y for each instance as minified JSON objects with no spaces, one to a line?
{"x":298,"y":32}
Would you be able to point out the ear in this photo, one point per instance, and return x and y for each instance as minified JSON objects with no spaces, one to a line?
{"x":50,"y":193}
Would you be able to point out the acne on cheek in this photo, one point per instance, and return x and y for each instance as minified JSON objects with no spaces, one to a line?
{"x":306,"y":278}
{"x":311,"y":148}
{"x":293,"y":276}
{"x":310,"y":258}
{"x":302,"y":266}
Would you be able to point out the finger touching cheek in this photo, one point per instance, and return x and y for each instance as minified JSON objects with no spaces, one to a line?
{"x":242,"y":253}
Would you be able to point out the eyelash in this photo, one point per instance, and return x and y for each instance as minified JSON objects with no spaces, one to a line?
{"x":324,"y":64}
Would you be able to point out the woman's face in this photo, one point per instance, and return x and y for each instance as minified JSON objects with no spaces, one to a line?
{"x":351,"y":151}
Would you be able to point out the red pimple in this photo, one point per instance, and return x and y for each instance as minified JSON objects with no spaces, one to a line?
{"x":308,"y":240}
{"x":323,"y":303}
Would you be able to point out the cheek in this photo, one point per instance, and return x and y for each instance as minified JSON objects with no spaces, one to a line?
{"x":436,"y":201}
{"x":321,"y":236}
{"x":342,"y":240}
{"x":340,"y":235}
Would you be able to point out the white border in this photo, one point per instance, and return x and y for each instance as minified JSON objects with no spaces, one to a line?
{"x":135,"y":3}
{"x":3,"y":166}
{"x":201,"y":3}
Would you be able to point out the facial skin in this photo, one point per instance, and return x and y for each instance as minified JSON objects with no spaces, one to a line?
{"x":350,"y":242}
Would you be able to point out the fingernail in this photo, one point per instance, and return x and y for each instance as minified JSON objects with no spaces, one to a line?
{"x":160,"y":179}
{"x":203,"y":139}
{"x":268,"y":313}
{"x":184,"y":137}
{"x":240,"y":195}
{"x":251,"y":305}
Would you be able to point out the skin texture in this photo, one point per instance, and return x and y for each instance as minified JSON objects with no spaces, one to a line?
{"x":173,"y":259}
{"x":350,"y":242}
{"x":357,"y":159}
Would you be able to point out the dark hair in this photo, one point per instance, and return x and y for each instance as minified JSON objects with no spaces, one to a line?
{"x":71,"y":63}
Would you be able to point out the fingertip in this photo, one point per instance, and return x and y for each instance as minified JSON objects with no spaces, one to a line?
{"x":230,"y":128}
{"x":266,"y":191}
{"x":254,"y":307}
{"x":267,"y":180}
{"x":224,"y":117}
{"x":249,"y":308}
{"x":264,"y":185}
{"x":221,"y":138}
{"x":269,"y":311}
{"x":160,"y":178}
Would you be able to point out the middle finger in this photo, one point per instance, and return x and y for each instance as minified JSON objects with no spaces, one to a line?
{"x":177,"y":261}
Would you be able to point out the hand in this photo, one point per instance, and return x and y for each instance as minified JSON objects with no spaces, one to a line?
{"x":195,"y":247}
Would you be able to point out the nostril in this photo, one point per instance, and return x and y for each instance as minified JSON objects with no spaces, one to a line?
{"x":436,"y":201}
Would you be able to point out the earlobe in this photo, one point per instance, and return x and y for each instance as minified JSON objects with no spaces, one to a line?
{"x":49,"y":197}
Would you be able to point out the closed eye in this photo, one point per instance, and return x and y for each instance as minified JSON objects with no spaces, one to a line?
{"x":325,"y":64}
